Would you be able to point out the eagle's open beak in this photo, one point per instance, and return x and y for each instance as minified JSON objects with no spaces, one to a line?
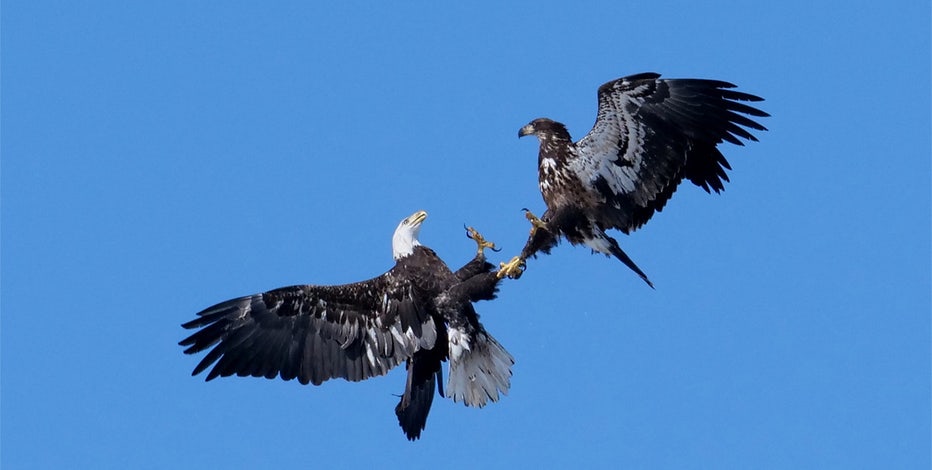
{"x":526,"y":130}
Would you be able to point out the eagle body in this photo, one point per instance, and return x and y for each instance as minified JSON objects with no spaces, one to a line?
{"x":650,"y":134}
{"x":419,"y":313}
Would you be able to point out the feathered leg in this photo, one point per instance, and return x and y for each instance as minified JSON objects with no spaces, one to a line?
{"x":478,"y":264}
{"x":541,"y":238}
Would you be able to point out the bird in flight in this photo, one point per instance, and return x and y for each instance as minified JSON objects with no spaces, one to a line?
{"x":419,"y":313}
{"x":650,"y":133}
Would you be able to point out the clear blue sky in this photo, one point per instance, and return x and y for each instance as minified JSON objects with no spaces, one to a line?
{"x":163,"y":156}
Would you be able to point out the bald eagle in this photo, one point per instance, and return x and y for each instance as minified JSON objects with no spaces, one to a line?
{"x":649,"y":134}
{"x":419,"y":313}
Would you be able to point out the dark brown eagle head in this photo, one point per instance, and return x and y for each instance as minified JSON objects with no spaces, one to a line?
{"x":545,"y":130}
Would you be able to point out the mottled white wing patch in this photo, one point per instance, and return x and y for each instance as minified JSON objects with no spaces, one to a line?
{"x":313,"y":333}
{"x":614,"y":150}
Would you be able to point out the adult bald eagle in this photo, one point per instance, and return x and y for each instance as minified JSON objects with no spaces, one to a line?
{"x":649,"y":134}
{"x":419,"y":313}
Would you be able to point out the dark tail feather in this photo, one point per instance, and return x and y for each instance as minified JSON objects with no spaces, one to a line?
{"x":414,"y":406}
{"x":623,"y":257}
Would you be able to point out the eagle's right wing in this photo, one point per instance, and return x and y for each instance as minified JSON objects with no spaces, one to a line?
{"x":651,"y":133}
{"x":314,"y":333}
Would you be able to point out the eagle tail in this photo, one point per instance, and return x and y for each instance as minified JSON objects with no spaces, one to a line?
{"x":624,"y":258}
{"x":480,"y":369}
{"x":423,"y":373}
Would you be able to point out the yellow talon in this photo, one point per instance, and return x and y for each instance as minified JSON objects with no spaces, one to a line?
{"x":512,"y":269}
{"x":480,"y":240}
{"x":536,"y":223}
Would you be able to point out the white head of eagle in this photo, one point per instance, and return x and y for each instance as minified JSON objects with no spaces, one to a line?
{"x":405,"y":238}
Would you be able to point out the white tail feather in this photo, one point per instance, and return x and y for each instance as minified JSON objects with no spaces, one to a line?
{"x":479,"y":371}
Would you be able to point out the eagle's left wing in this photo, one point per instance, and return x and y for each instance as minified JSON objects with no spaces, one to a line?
{"x":650,"y":133}
{"x":314,"y":333}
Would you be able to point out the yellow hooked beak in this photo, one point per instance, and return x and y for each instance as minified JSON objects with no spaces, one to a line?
{"x":416,"y":218}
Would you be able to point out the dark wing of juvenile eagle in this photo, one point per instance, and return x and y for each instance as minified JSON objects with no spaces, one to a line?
{"x":651,"y":133}
{"x":314,"y":333}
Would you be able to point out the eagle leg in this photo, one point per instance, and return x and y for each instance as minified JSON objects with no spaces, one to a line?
{"x":515,"y":268}
{"x":535,"y":221}
{"x":512,"y":269}
{"x":480,"y":240}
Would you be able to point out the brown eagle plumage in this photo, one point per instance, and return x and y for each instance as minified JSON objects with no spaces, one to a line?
{"x":650,"y":133}
{"x":419,"y":313}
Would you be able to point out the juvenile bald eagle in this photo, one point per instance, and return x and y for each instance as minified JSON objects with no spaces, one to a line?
{"x":419,"y":313}
{"x":649,"y":134}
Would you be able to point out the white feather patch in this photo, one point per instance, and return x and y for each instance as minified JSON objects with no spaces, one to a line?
{"x":459,"y":343}
{"x":600,"y":244}
{"x":480,"y":373}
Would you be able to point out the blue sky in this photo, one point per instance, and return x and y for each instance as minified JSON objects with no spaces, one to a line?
{"x":160,"y":157}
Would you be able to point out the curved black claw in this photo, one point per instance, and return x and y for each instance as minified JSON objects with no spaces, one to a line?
{"x":474,"y":235}
{"x":535,"y":221}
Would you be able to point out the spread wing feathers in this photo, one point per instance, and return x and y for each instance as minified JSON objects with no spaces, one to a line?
{"x":650,"y":133}
{"x":314,"y":333}
{"x":480,"y":369}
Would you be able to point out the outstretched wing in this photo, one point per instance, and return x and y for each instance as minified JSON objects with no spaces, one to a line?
{"x":650,"y":133}
{"x":314,"y":333}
